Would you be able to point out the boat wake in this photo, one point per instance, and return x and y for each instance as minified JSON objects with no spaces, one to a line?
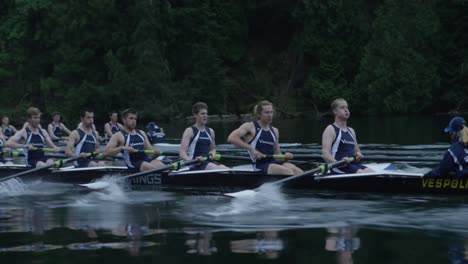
{"x":12,"y":187}
{"x":105,"y":189}
{"x":267,"y":197}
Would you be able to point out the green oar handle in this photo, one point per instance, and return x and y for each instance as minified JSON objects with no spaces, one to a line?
{"x":173,"y":166}
{"x":324,"y":168}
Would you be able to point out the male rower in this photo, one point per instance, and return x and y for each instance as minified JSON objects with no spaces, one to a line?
{"x":56,"y":128}
{"x":132,"y":142}
{"x":199,"y":140}
{"x":84,"y":140}
{"x":7,"y":129}
{"x":339,"y":141}
{"x":112,"y":127}
{"x":35,"y":139}
{"x":2,"y":144}
{"x":261,"y":139}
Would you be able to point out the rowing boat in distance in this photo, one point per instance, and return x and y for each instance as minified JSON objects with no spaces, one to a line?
{"x":244,"y":177}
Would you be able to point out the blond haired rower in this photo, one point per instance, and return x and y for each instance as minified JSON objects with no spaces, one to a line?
{"x":339,"y":140}
{"x":261,"y":139}
{"x":35,"y":139}
{"x":455,"y":160}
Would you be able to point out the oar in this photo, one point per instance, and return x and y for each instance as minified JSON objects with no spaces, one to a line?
{"x":234,"y":157}
{"x":172,"y":166}
{"x":369,"y":158}
{"x":56,"y":164}
{"x":320,"y":169}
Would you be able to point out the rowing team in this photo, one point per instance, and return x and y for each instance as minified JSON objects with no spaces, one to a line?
{"x":258,"y":137}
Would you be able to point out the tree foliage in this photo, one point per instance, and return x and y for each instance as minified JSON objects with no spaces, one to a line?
{"x":162,"y":56}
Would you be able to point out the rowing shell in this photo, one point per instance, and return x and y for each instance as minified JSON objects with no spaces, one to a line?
{"x":244,"y":177}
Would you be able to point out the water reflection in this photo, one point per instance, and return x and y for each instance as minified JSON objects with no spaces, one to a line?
{"x":201,"y":243}
{"x":344,"y":242}
{"x":267,"y":244}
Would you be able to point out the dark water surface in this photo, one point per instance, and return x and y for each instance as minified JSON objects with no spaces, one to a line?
{"x":57,"y":223}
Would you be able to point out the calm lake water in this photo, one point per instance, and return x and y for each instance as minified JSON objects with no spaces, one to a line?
{"x":57,"y":223}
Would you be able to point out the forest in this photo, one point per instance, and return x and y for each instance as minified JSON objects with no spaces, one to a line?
{"x":387,"y":57}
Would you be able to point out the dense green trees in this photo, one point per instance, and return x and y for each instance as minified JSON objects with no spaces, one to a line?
{"x":160,"y":56}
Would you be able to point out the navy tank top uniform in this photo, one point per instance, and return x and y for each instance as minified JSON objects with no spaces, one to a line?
{"x":113,"y":128}
{"x":264,"y":142}
{"x":200,"y":145}
{"x":137,"y":141}
{"x":57,"y":128}
{"x":86,"y":144}
{"x":8,"y":132}
{"x":454,"y":162}
{"x":155,"y":135}
{"x":32,"y":157}
{"x":2,"y":144}
{"x":343,"y":146}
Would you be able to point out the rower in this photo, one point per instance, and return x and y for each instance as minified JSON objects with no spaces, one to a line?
{"x":84,"y":140}
{"x":112,"y":127}
{"x":339,"y":141}
{"x":198,"y":141}
{"x":455,"y":160}
{"x":7,"y":129}
{"x":155,"y":134}
{"x":130,"y":140}
{"x":2,"y":144}
{"x":260,"y":138}
{"x":35,"y":139}
{"x":56,"y":128}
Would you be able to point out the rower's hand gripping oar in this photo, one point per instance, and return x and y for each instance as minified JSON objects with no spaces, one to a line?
{"x":320,"y":169}
{"x":57,"y":164}
{"x":173,"y":166}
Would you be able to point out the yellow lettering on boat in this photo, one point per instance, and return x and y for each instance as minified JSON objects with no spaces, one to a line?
{"x":454,"y":184}
{"x":431,"y":183}
{"x":446,"y":183}
{"x":424,"y":183}
{"x":439,"y":183}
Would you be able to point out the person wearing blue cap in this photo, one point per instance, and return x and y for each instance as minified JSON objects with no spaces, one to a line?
{"x":455,"y":160}
{"x":155,"y":134}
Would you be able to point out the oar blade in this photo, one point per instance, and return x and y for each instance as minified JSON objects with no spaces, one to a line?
{"x":242,"y":194}
{"x":95,"y":186}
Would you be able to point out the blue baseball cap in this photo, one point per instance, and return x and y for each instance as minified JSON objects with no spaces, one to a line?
{"x":150,"y":125}
{"x":455,"y":125}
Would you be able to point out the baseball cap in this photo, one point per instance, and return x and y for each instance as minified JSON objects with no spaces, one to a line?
{"x":150,"y":125}
{"x":455,"y":125}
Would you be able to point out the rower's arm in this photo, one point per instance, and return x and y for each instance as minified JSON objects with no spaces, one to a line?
{"x":65,"y":128}
{"x":148,"y":145}
{"x":184,"y":143}
{"x":107,"y":130}
{"x":71,"y":143}
{"x":327,"y":140}
{"x":49,"y":142}
{"x":277,"y":146}
{"x":114,"y":146}
{"x":13,"y":142}
{"x":236,"y":136}
{"x":98,"y":145}
{"x":213,"y":142}
{"x":13,"y":128}
{"x":357,"y":150}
